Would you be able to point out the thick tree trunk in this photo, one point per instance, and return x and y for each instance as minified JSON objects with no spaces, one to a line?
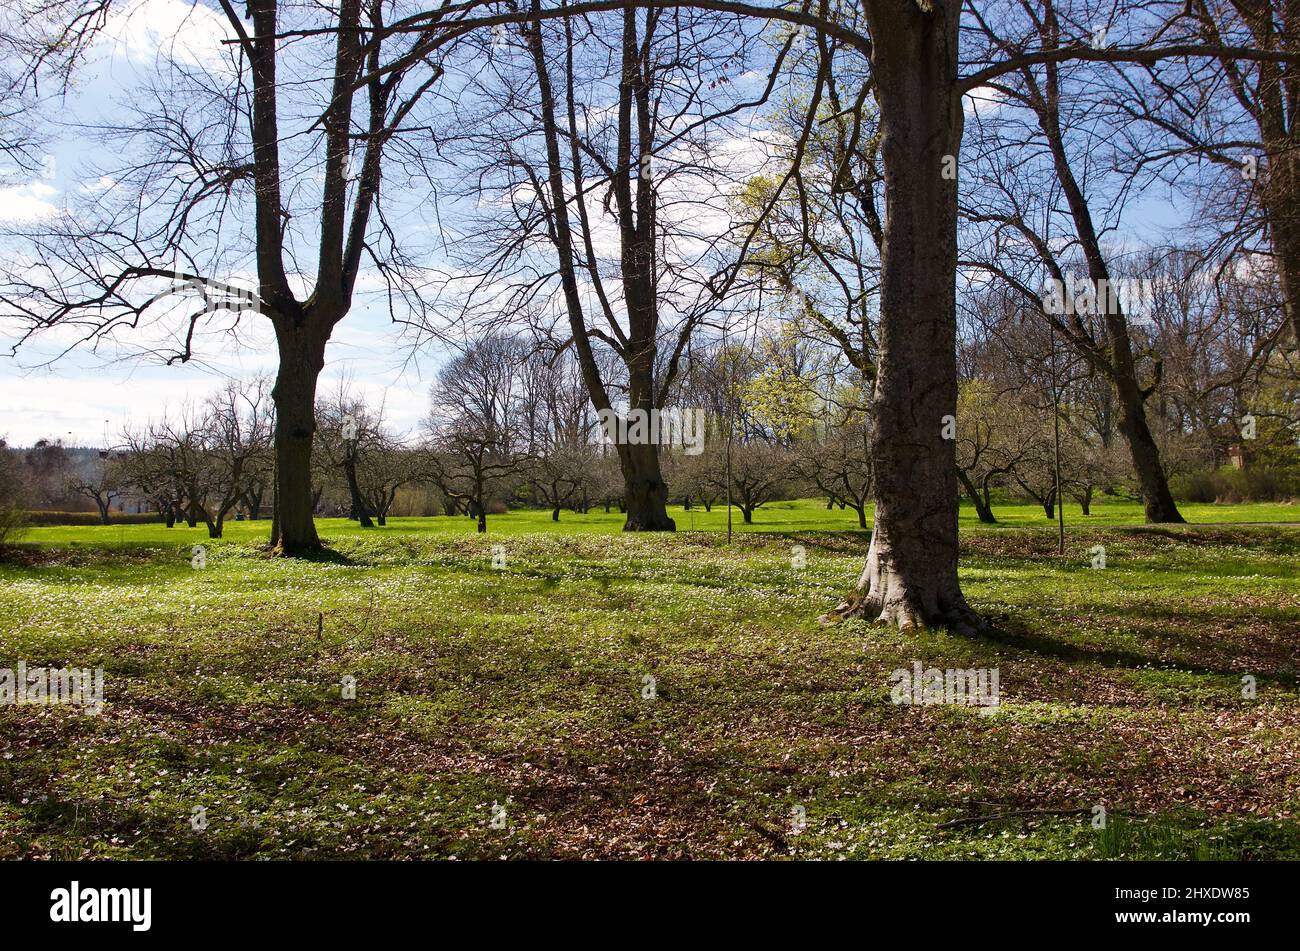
{"x":910,"y":577}
{"x":555,"y":514}
{"x":302,"y":356}
{"x":646,"y":495}
{"x":1282,"y":201}
{"x":1157,"y":500}
{"x":747,"y":515}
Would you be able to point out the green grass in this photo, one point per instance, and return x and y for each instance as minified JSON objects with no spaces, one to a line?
{"x":523,"y":687}
{"x":800,"y":515}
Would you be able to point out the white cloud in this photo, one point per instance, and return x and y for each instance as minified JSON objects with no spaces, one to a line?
{"x":983,"y":100}
{"x":190,"y":33}
{"x":101,"y":184}
{"x":27,"y":202}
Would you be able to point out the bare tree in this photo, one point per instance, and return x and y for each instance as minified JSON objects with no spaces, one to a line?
{"x":214,"y":176}
{"x":102,"y":483}
{"x":474,"y":421}
{"x":236,"y":436}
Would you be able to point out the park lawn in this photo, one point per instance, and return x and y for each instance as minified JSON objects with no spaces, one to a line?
{"x":799,"y":515}
{"x":525,"y":687}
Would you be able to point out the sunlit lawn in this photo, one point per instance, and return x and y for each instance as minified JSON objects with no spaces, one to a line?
{"x":802,"y":515}
{"x":525,"y":687}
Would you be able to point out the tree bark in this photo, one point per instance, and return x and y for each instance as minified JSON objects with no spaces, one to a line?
{"x":910,"y":577}
{"x":1085,"y":501}
{"x":1157,"y":501}
{"x":360,"y":511}
{"x":302,"y":356}
{"x":982,"y":508}
{"x":646,"y":495}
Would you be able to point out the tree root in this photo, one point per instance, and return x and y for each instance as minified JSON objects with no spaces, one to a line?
{"x":959,"y":619}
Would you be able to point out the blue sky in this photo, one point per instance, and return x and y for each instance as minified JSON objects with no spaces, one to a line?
{"x":88,"y":396}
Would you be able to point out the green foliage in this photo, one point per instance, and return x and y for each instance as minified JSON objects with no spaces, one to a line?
{"x":1233,"y":485}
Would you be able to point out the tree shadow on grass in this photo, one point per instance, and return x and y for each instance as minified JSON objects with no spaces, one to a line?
{"x":325,"y":555}
{"x":1016,"y":634}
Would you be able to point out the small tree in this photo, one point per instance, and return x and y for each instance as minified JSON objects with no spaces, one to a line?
{"x":103,"y":483}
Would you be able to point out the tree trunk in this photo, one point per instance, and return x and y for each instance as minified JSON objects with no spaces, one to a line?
{"x":360,"y":511}
{"x":910,"y":576}
{"x":480,"y":502}
{"x":1157,"y":500}
{"x":302,"y":355}
{"x":555,"y":514}
{"x":646,"y":495}
{"x":982,"y":508}
{"x":103,"y":511}
{"x":1282,"y":205}
{"x":862,"y":515}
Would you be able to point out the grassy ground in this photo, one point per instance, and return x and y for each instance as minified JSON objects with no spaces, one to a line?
{"x":804,"y":515}
{"x":525,"y":687}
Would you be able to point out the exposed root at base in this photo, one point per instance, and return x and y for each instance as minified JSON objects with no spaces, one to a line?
{"x":904,"y":616}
